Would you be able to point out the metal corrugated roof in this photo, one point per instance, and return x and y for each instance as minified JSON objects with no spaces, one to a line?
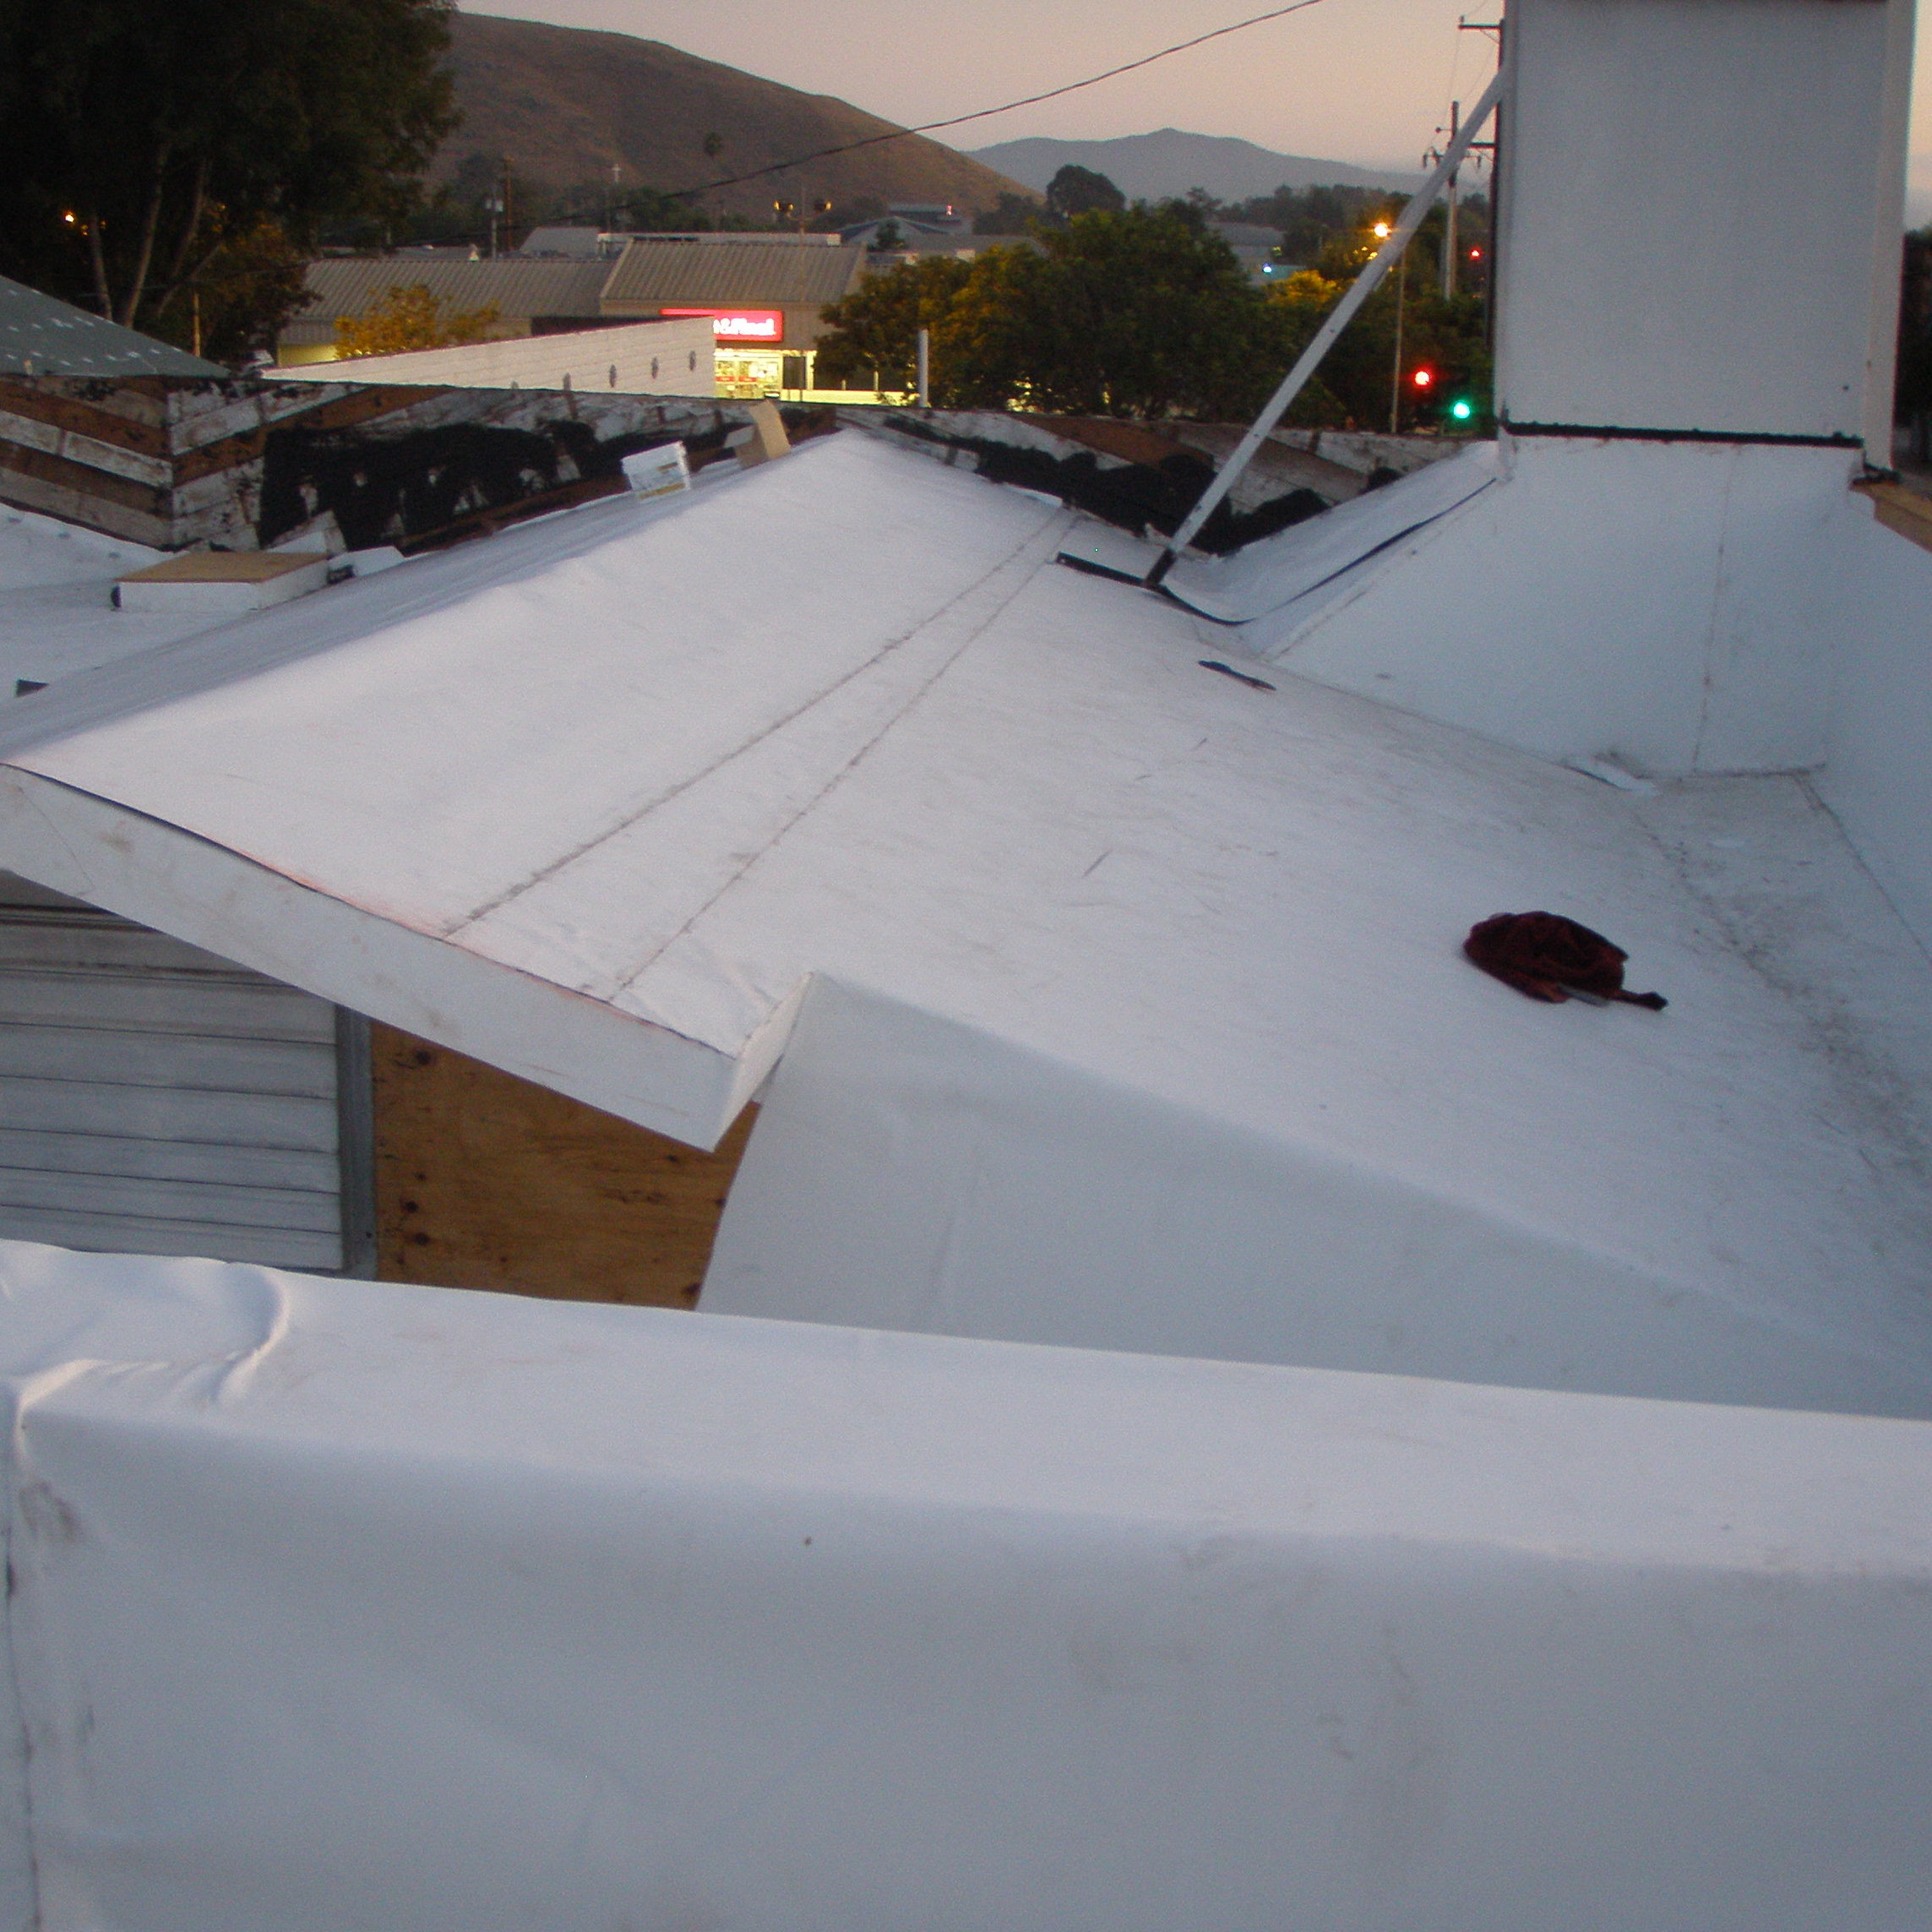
{"x":41,"y":335}
{"x":352,"y":285}
{"x":709,"y":275}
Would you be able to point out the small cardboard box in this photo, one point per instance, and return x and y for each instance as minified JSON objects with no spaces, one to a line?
{"x":764,"y":439}
{"x":659,"y":472}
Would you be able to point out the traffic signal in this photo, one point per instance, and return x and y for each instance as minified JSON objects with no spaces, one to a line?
{"x":1462,"y":410}
{"x":1423,"y":378}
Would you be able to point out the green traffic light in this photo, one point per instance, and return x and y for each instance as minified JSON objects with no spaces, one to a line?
{"x":1462,"y":408}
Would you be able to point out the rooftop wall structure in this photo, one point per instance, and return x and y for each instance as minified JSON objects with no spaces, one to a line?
{"x":1877,"y":776}
{"x":1668,"y":267}
{"x":174,"y":462}
{"x":651,"y":358}
{"x":344,"y":1604}
{"x":1694,"y":351}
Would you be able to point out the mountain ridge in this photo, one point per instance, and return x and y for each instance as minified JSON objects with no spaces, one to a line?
{"x":564,"y":104}
{"x":1170,"y":161}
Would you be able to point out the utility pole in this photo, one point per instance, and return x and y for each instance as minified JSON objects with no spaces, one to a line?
{"x":1395,"y":380}
{"x":1449,"y":210}
{"x":1493,"y":147}
{"x":925,"y":369}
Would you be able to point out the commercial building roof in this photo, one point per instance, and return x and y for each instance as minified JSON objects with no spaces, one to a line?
{"x":765,"y":273}
{"x":352,"y":285}
{"x":41,"y":335}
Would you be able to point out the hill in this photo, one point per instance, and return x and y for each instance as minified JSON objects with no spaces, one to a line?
{"x":565,"y":103}
{"x":1169,"y":162}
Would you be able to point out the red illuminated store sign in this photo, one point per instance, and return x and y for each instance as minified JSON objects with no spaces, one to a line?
{"x":763,"y":327}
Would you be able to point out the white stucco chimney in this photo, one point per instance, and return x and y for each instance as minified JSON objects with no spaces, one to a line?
{"x":1701,"y":204}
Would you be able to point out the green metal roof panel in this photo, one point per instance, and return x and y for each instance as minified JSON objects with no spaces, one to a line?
{"x":42,"y":335}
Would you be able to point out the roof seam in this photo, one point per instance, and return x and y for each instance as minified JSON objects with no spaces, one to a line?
{"x":1044,"y":546}
{"x":565,"y":860}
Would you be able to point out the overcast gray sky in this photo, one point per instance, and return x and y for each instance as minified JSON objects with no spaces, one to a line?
{"x":1353,"y":80}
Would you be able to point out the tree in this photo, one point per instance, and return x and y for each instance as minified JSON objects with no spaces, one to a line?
{"x":408,"y":318}
{"x":1142,"y":312}
{"x":1014,"y":214}
{"x":1355,"y":383}
{"x":1135,"y":312}
{"x":234,"y":306}
{"x":1081,"y":191}
{"x":876,"y":328}
{"x":140,"y":140}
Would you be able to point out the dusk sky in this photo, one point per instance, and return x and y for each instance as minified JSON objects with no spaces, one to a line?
{"x":1354,"y":80}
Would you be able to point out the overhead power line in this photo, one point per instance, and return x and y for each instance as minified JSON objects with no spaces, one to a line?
{"x":1005,"y":107}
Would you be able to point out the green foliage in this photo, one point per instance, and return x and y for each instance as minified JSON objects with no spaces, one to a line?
{"x":1081,"y":191}
{"x":1135,"y":312}
{"x":408,"y":318}
{"x":1356,"y":384}
{"x":254,"y":277}
{"x":877,"y":327}
{"x":1015,"y":214}
{"x":1145,"y":312}
{"x":168,"y":129}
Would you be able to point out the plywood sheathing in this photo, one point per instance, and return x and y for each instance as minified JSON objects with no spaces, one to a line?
{"x":1904,"y":512}
{"x":226,"y":567}
{"x":487,"y":1181}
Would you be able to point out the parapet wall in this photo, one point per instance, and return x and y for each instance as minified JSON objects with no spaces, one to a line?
{"x":355,"y":1604}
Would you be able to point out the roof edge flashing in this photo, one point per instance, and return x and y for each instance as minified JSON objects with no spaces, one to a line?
{"x":178,"y":882}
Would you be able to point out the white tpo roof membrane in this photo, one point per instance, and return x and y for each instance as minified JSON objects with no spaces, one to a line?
{"x":842,"y":715}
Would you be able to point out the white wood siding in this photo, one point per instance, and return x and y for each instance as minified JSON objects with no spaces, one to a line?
{"x":155,"y":1099}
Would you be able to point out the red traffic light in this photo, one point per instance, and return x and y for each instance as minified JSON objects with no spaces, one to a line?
{"x":1423,"y":377}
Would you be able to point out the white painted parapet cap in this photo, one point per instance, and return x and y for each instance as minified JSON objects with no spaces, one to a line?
{"x":336,"y":1604}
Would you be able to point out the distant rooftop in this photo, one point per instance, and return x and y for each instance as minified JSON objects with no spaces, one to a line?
{"x":519,"y":289}
{"x":706,"y":269}
{"x":40,"y":335}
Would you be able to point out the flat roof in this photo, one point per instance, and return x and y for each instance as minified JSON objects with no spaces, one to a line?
{"x":661,"y":768}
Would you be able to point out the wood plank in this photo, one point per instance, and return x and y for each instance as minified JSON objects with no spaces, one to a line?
{"x":251,"y":1166}
{"x":226,"y":567}
{"x":82,"y":1053}
{"x":64,"y":473}
{"x":85,"y":418}
{"x":487,"y":1181}
{"x":226,"y":1008}
{"x":1902,"y":511}
{"x":136,"y":401}
{"x":164,"y":1113}
{"x":271,"y":1247}
{"x":200,"y":456}
{"x":204,"y":1202}
{"x":30,"y":433}
{"x":75,"y":506}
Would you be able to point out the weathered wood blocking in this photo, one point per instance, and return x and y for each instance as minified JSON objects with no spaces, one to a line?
{"x":174,"y":462}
